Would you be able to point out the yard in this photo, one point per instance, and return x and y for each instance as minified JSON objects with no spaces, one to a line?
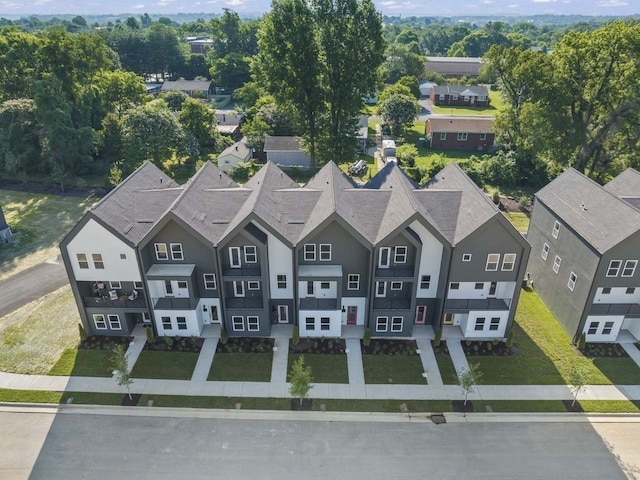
{"x":494,"y":107}
{"x":519,"y":220}
{"x":83,"y":363}
{"x":325,"y":368}
{"x":165,"y":365}
{"x":241,"y":367}
{"x":393,"y":369}
{"x":39,"y":222}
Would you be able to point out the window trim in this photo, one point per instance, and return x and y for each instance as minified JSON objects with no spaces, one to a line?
{"x":322,"y":255}
{"x":388,"y":252}
{"x":573,"y":278}
{"x":176,"y":254}
{"x":248,"y":254}
{"x":556,"y":229}
{"x":98,"y":261}
{"x":608,"y":327}
{"x":593,"y":325}
{"x":161,"y":251}
{"x":425,"y":279}
{"x":627,"y":266}
{"x":505,"y":262}
{"x":385,"y":323}
{"x":235,"y":252}
{"x":238,"y":292}
{"x":462,"y":136}
{"x":256,"y":320}
{"x":253,"y":285}
{"x":325,"y":322}
{"x":164,"y":320}
{"x":493,"y":323}
{"x":466,"y":257}
{"x":397,"y":285}
{"x":180,"y":323}
{"x":138,"y":285}
{"x":96,"y":321}
{"x":209,"y":284}
{"x":234,"y":325}
{"x":115,"y":285}
{"x":309,"y":250}
{"x":483,"y":136}
{"x":617,"y":269}
{"x":114,"y":318}
{"x":310,"y":324}
{"x":281,"y":280}
{"x":480,"y":322}
{"x":383,"y":293}
{"x":82,"y":264}
{"x":545,"y":252}
{"x":399,"y":257}
{"x":394,"y":324}
{"x":443,"y":135}
{"x":556,"y":264}
{"x":353,"y":281}
{"x":497,"y":262}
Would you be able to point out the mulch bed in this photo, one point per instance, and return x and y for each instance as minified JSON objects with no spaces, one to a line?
{"x":246,"y":345}
{"x":459,"y":406}
{"x":441,"y":349}
{"x":499,"y":349}
{"x":130,"y":402}
{"x":104,"y":343}
{"x":603,"y":350}
{"x":306,"y":405}
{"x":175,"y":344}
{"x":510,"y":204}
{"x":390,"y":347}
{"x":577,"y":408}
{"x":327,"y":346}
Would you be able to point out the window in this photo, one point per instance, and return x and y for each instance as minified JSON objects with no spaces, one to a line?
{"x":234,"y":257}
{"x":454,"y":96}
{"x":182,"y":323}
{"x":508,"y":262}
{"x":466,"y":257}
{"x":442,"y":96}
{"x":400,"y":255}
{"x":83,"y":262}
{"x":115,"y":284}
{"x":168,"y":287}
{"x":556,"y":264}
{"x":250,"y":254}
{"x":176,"y":251}
{"x":253,"y":285}
{"x":556,"y":229}
{"x":99,"y":322}
{"x":97,"y":261}
{"x":443,"y":135}
{"x":492,"y":288}
{"x":325,"y":285}
{"x":253,"y":324}
{"x":384,"y":257}
{"x":310,"y":289}
{"x":606,"y":290}
{"x":238,"y":289}
{"x":479,"y":286}
{"x":494,"y":324}
{"x":325,"y":252}
{"x":608,"y":326}
{"x":493,"y":259}
{"x":166,"y":323}
{"x":593,"y":328}
{"x":325,"y":323}
{"x":614,"y":268}
{"x":123,"y":256}
{"x":572,"y":281}
{"x":629,"y":268}
{"x":237,"y":323}
{"x":630,"y":291}
{"x":161,"y":251}
{"x":425,"y":281}
{"x":310,"y":252}
{"x":182,"y":284}
{"x":454,"y":286}
{"x":353,"y":281}
{"x":480,"y":324}
{"x":281,"y":281}
{"x":382,"y":324}
{"x":381,"y":289}
{"x":396,"y":285}
{"x":462,"y":136}
{"x":310,"y":323}
{"x":483,"y":136}
{"x":137,"y":285}
{"x":209,"y":281}
{"x":545,"y":251}
{"x":114,"y":322}
{"x":466,"y":98}
{"x":396,"y":324}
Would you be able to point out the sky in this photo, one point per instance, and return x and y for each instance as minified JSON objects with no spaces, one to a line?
{"x":387,"y":7}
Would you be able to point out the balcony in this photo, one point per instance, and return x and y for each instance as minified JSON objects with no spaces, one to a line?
{"x":392,"y":304}
{"x":466,"y":305}
{"x":244,"y":303}
{"x":615,"y":309}
{"x":172,"y":303}
{"x":121,"y":302}
{"x":245,"y":271}
{"x":318,"y":304}
{"x":405,"y":271}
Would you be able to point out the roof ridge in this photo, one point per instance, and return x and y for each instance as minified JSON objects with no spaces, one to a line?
{"x":601,"y":187}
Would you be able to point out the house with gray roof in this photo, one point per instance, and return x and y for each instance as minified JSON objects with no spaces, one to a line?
{"x":585,"y":241}
{"x":193,"y":88}
{"x":456,"y":132}
{"x":331,"y":257}
{"x":459,"y":95}
{"x":454,"y":67}
{"x":6,"y":237}
{"x":286,"y":152}
{"x":233,"y":155}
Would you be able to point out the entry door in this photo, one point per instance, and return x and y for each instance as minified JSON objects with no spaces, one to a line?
{"x":448,"y":319}
{"x":283,"y":314}
{"x":213,"y":314}
{"x":492,"y":289}
{"x":421,"y":315}
{"x":310,"y":290}
{"x":352,"y":315}
{"x":181,"y":289}
{"x":238,"y":289}
{"x":472,"y":99}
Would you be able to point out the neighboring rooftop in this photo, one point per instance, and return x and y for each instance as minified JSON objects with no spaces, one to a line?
{"x":186,"y":85}
{"x":282,"y":144}
{"x":461,"y":90}
{"x":472,"y":124}
{"x":455,"y":66}
{"x":627,"y":187}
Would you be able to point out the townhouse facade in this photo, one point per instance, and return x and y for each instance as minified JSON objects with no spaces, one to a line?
{"x":585,"y":249}
{"x":330,"y":257}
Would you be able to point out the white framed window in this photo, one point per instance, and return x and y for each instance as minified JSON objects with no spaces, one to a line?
{"x":382,"y":324}
{"x":479,"y":326}
{"x":425,"y":281}
{"x":166,"y":323}
{"x":325,"y":323}
{"x":396,"y":324}
{"x":396,"y":285}
{"x":572,"y":281}
{"x":545,"y":251}
{"x":181,"y":322}
{"x":443,"y":135}
{"x":253,"y":324}
{"x":606,"y":290}
{"x":325,"y":252}
{"x":466,"y":257}
{"x":508,"y":262}
{"x":454,"y":96}
{"x":441,"y":96}
{"x":556,"y":229}
{"x":479,"y":286}
{"x":310,"y":252}
{"x":493,"y":259}
{"x":138,"y":285}
{"x":381,"y":289}
{"x":234,"y":257}
{"x":629,"y":268}
{"x":83,"y":261}
{"x":209,"y":281}
{"x":115,"y":284}
{"x":556,"y":264}
{"x":114,"y":322}
{"x":325,"y":285}
{"x":608,"y":326}
{"x":483,"y":136}
{"x":462,"y":136}
{"x":182,"y":284}
{"x":353,"y":281}
{"x":253,"y":285}
{"x":630,"y":290}
{"x":238,"y":289}
{"x":384,"y":257}
{"x":123,"y":256}
{"x":310,"y":323}
{"x":99,"y":321}
{"x":250,"y":254}
{"x":281,"y":281}
{"x":176,"y":251}
{"x":400,"y":254}
{"x":494,"y":323}
{"x":161,"y":251}
{"x":614,"y":268}
{"x":98,"y":263}
{"x":454,"y":285}
{"x":593,"y":328}
{"x":237,"y":323}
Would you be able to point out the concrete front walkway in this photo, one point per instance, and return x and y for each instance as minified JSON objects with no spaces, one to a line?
{"x":280,"y":360}
{"x":205,"y":359}
{"x":457,"y":355}
{"x":354,"y":361}
{"x":429,"y":363}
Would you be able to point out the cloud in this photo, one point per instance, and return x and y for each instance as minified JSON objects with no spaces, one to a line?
{"x":42,"y":2}
{"x":513,"y":5}
{"x":138,"y":7}
{"x":611,"y":3}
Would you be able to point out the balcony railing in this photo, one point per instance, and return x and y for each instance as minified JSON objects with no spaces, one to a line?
{"x":391,"y":304}
{"x":121,"y":302}
{"x":244,"y":303}
{"x":466,"y":305}
{"x":318,"y":304}
{"x":172,"y":303}
{"x":405,"y":271}
{"x":255,"y":271}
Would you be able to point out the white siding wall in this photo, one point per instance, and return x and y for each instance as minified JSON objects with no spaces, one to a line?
{"x":335,"y":329}
{"x":331,"y":292}
{"x":430,"y":260}
{"x":194,"y":324}
{"x":280,"y":262}
{"x":360,"y":302}
{"x":617,"y":295}
{"x":468,"y":327}
{"x":633,"y":326}
{"x":205,"y":316}
{"x":467,"y":290}
{"x":601,"y":319}
{"x":93,"y":238}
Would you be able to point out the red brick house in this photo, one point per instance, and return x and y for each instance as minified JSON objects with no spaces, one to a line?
{"x":460,"y":133}
{"x":460,"y":95}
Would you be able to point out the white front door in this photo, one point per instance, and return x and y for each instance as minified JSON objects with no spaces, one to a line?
{"x":213,"y":314}
{"x":234,"y":257}
{"x":283,"y":314}
{"x":238,"y":289}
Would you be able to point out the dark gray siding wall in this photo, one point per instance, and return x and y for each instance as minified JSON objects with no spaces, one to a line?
{"x":629,"y":249}
{"x":127,"y":321}
{"x":577,"y":257}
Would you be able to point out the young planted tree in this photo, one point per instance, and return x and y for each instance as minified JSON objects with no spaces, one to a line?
{"x":578,"y":377}
{"x":300,"y":378}
{"x":469,"y":378}
{"x":120,"y":366}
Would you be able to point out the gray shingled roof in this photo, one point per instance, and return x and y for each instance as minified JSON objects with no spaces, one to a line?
{"x":627,"y":187}
{"x":469,"y":66}
{"x":281,"y":144}
{"x":186,"y":85}
{"x":239,"y":150}
{"x":461,"y":90}
{"x":601,"y":218}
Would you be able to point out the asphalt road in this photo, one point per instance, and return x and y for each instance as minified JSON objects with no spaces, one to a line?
{"x":31,"y":284}
{"x":115,"y":446}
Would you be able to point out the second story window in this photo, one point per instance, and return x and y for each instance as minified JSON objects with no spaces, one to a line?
{"x":614,"y":268}
{"x":556,"y":229}
{"x":425,"y":281}
{"x":98,"y":263}
{"x":176,"y":251}
{"x":384,"y":257}
{"x":161,"y":251}
{"x":353,"y":281}
{"x":556,"y":264}
{"x":250,"y":254}
{"x":508,"y":262}
{"x":493,"y":259}
{"x":325,"y":252}
{"x":400,"y":254}
{"x":629,"y":268}
{"x":466,"y":257}
{"x":454,"y":286}
{"x":281,"y":281}
{"x":234,"y":257}
{"x":572,"y":281}
{"x":83,"y":262}
{"x":310,"y":252}
{"x":545,"y":251}
{"x":209,"y":281}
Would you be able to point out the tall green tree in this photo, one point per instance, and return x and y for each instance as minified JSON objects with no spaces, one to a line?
{"x":399,"y":111}
{"x":198,"y":118}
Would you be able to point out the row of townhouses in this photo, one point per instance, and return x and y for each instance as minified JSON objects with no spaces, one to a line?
{"x":330,"y":256}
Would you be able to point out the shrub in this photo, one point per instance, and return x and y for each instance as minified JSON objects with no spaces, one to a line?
{"x":366,"y":339}
{"x":168,"y":341}
{"x":438,"y":337}
{"x":295,"y":338}
{"x":224,"y":338}
{"x":582,"y":341}
{"x":82,"y":332}
{"x":509,"y":342}
{"x":496,"y":197}
{"x":151,"y":338}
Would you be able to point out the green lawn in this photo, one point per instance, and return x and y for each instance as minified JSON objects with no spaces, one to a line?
{"x":83,"y":363}
{"x":324,"y":368}
{"x":39,"y":223}
{"x":508,"y":406}
{"x":169,"y":365}
{"x":372,"y":168}
{"x":216,"y":402}
{"x":396,"y":369}
{"x":33,"y":338}
{"x":29,"y":396}
{"x":519,"y":220}
{"x":610,"y":406}
{"x":92,"y":398}
{"x":447,"y":370}
{"x":241,"y":367}
{"x":495,"y":105}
